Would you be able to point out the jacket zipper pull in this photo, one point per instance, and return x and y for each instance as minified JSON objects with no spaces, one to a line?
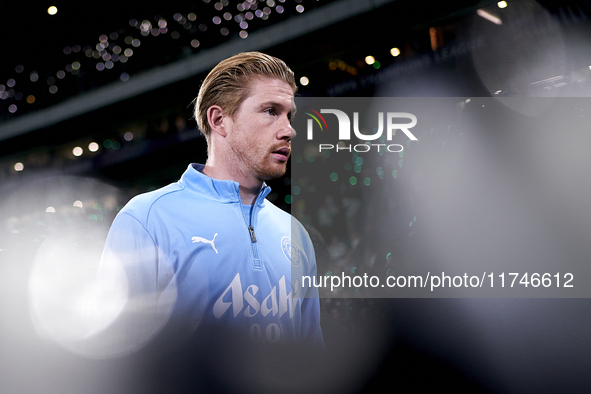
{"x":251,"y":230}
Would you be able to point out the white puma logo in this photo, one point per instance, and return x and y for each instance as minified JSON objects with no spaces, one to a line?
{"x":206,"y":241}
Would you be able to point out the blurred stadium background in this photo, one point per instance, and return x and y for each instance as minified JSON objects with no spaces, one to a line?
{"x":96,"y":106}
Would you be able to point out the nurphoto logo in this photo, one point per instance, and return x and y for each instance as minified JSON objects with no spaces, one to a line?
{"x":391,"y":119}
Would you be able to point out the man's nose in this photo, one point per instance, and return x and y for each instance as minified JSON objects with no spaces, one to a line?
{"x":286,"y":131}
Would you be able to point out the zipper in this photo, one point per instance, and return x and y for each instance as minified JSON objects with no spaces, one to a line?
{"x":251,"y":231}
{"x":253,"y":238}
{"x":256,"y":262}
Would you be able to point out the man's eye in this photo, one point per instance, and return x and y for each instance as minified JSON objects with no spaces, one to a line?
{"x":271,"y":111}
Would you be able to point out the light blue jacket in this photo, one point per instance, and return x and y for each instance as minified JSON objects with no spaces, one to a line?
{"x":193,"y":250}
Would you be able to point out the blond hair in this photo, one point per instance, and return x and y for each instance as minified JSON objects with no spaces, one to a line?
{"x":227,"y":85}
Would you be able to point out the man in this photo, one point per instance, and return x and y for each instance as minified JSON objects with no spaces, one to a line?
{"x":209,"y":251}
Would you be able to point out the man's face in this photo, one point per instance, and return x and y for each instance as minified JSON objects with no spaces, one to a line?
{"x":260,"y":136}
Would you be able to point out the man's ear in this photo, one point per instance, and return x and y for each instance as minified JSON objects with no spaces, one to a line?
{"x":215,"y":118}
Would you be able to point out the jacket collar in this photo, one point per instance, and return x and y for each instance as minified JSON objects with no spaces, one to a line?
{"x":214,"y":189}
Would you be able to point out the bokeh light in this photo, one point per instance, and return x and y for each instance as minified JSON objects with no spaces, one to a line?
{"x":304,"y":81}
{"x":72,"y":299}
{"x":370,"y":60}
{"x":52,"y":10}
{"x":395,"y":52}
{"x":502,"y":4}
{"x":19,"y":166}
{"x":93,"y":147}
{"x":77,"y":151}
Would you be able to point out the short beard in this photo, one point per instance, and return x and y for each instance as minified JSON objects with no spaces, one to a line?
{"x":261,"y":174}
{"x":273,"y":175}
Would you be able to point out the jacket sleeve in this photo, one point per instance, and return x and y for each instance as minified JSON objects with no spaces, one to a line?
{"x":131,"y":272}
{"x":130,"y":249}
